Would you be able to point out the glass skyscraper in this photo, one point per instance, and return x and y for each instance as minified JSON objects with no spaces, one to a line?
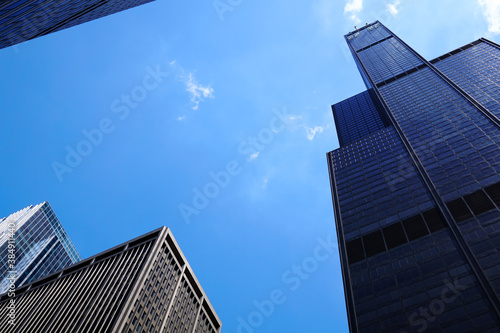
{"x":41,"y":246}
{"x":22,"y":20}
{"x":416,"y":187}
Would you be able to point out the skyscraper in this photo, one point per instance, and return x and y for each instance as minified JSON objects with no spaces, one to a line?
{"x":27,"y":19}
{"x":144,"y":285}
{"x":38,"y":244}
{"x":416,"y":187}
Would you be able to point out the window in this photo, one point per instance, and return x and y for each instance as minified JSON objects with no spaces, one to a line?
{"x":434,"y":220}
{"x":394,"y":235}
{"x":479,"y":202}
{"x":374,"y":243}
{"x":355,"y":251}
{"x":415,"y":227}
{"x":459,"y":210}
{"x":494,"y":193}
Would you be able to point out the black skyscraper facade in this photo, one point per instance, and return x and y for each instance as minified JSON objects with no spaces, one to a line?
{"x":22,"y":20}
{"x":416,"y":187}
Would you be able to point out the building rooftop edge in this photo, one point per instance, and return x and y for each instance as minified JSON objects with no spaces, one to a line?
{"x":156,"y":233}
{"x":362,"y":28}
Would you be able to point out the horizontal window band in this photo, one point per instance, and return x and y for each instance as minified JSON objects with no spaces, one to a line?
{"x":406,"y":73}
{"x":421,"y":225}
{"x":475,"y":203}
{"x":373,"y":44}
{"x":394,"y":235}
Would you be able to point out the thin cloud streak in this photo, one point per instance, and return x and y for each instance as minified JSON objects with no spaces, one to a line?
{"x":254,"y":156}
{"x":325,"y":10}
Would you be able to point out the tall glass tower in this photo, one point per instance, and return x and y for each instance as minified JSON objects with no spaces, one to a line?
{"x":22,"y":20}
{"x":416,"y":187}
{"x":38,"y":244}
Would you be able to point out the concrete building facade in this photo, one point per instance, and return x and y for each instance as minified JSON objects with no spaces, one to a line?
{"x":144,"y":285}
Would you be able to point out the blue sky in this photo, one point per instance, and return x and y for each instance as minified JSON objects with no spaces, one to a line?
{"x":230,"y":99}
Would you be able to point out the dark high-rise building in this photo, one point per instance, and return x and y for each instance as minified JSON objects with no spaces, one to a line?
{"x":33,"y":243}
{"x":416,"y":187}
{"x":22,"y":20}
{"x":144,"y":285}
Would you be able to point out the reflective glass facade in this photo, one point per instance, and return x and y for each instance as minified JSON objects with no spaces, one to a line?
{"x":41,"y":245}
{"x":358,"y":116}
{"x":22,"y":20}
{"x":416,"y":189}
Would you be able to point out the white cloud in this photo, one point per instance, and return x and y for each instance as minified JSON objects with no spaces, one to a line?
{"x":197,"y":91}
{"x":292,"y":122}
{"x":254,"y":156}
{"x":181,"y":118}
{"x":311,"y":131}
{"x":353,"y":8}
{"x":491,"y":12}
{"x":293,"y":117}
{"x":393,"y":7}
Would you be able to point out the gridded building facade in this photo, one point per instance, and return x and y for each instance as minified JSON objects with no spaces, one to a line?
{"x":42,"y":246}
{"x":22,"y":20}
{"x":144,"y":285}
{"x":416,"y":187}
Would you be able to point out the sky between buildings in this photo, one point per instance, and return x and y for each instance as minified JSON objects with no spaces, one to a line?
{"x":212,"y":118}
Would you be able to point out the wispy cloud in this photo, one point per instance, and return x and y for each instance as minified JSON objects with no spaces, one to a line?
{"x":353,"y":8}
{"x":325,"y":11}
{"x":197,"y":92}
{"x":254,"y":156}
{"x":311,"y":131}
{"x":264,"y":182}
{"x":293,"y":117}
{"x":392,"y":8}
{"x":491,"y":12}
